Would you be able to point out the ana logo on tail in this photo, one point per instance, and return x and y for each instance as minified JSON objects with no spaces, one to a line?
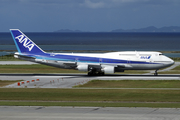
{"x":27,"y":43}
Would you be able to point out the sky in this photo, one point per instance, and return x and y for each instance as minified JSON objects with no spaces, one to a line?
{"x":87,"y":15}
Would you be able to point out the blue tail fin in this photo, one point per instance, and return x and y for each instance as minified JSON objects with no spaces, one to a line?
{"x":24,"y":44}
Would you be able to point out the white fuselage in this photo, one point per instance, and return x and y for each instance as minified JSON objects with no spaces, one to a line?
{"x":128,"y":60}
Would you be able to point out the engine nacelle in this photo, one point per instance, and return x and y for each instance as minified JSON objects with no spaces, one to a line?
{"x":16,"y":55}
{"x":108,"y":69}
{"x":82,"y":68}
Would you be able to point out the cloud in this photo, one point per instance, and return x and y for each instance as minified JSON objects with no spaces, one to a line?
{"x":95,"y":4}
{"x":91,"y":4}
{"x":92,"y":15}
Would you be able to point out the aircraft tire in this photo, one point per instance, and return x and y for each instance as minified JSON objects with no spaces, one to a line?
{"x":101,"y":73}
{"x":155,"y":74}
{"x":89,"y":73}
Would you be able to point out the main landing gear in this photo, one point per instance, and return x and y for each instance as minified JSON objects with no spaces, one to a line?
{"x":93,"y":72}
{"x":156,"y":74}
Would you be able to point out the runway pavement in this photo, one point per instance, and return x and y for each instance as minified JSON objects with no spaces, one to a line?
{"x":87,"y":113}
{"x":70,"y":80}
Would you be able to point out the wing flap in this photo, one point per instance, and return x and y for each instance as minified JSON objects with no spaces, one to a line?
{"x":70,"y":63}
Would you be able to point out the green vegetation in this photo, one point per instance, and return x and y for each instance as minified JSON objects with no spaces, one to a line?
{"x":98,"y":97}
{"x":9,"y":57}
{"x":35,"y":68}
{"x":132,"y":84}
{"x":39,"y":68}
{"x":176,"y":70}
{"x":90,"y":95}
{"x":91,"y":104}
{"x":8,"y":82}
{"x":177,"y":59}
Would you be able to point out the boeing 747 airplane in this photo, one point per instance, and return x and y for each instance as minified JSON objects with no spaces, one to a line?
{"x":93,"y":63}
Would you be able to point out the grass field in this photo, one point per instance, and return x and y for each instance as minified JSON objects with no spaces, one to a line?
{"x":8,"y":82}
{"x":131,"y":84}
{"x":90,"y":97}
{"x":39,"y":68}
{"x":176,"y":70}
{"x":91,"y":104}
{"x":35,"y":68}
{"x":98,"y":97}
{"x":9,"y":57}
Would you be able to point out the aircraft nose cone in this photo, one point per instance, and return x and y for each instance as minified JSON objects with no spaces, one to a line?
{"x":171,"y":61}
{"x":168,"y":61}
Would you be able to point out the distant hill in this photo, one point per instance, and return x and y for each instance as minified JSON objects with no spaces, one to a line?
{"x":67,"y":30}
{"x":151,"y":29}
{"x":146,"y":29}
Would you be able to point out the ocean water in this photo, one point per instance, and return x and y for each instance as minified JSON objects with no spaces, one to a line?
{"x":92,"y":41}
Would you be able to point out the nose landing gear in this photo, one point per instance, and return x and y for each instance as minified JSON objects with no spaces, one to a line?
{"x":156,"y":74}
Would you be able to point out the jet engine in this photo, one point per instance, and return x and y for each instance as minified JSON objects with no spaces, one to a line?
{"x":82,"y":68}
{"x":108,"y":69}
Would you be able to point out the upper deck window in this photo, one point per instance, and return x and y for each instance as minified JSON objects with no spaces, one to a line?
{"x":127,"y":54}
{"x":145,"y":54}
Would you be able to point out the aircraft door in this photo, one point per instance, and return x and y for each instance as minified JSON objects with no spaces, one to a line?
{"x":100,"y":61}
{"x":76,"y":60}
{"x":151,"y":60}
{"x":128,"y":61}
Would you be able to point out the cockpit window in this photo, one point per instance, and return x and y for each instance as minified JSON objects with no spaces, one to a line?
{"x":160,"y":54}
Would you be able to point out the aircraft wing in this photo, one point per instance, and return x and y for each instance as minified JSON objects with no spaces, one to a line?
{"x":124,"y":66}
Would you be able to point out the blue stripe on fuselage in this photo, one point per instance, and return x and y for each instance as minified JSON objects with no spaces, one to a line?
{"x":85,"y":59}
